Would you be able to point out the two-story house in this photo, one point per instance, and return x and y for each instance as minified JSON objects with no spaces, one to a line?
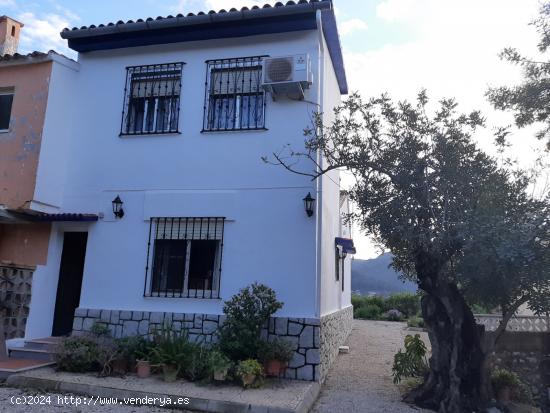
{"x":167,"y":126}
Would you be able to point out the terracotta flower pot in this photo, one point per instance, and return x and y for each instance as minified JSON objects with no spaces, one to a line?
{"x":143,"y":368}
{"x":220,"y":375}
{"x":248,"y":379}
{"x":170,"y":372}
{"x":119,"y":366}
{"x":275,"y":368}
{"x":504,"y":394}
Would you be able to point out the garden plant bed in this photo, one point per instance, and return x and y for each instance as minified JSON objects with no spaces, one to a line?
{"x":276,"y":396}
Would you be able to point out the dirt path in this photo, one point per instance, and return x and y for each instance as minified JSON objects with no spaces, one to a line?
{"x":361,"y":382}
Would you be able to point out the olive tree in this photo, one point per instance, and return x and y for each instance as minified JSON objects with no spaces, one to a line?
{"x":426,"y":192}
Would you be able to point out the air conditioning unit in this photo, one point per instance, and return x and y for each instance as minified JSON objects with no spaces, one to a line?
{"x":287,"y":75}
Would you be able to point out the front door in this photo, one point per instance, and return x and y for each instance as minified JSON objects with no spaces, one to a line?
{"x":70,"y":281}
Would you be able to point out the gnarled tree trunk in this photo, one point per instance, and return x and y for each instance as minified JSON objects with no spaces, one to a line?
{"x":455,"y":382}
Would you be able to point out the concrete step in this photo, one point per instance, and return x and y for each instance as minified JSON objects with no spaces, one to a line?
{"x":32,"y":354}
{"x":11,"y":366}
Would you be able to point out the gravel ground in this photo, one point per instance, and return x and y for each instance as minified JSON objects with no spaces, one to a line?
{"x":361,"y":382}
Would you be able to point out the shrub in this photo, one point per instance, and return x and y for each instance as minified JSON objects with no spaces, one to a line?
{"x":218,"y":361}
{"x":277,"y":349}
{"x":246,"y":314}
{"x":415,"y":321}
{"x":393,"y":315}
{"x":171,"y":347}
{"x":370,"y":312}
{"x":406,"y":303}
{"x":197,"y":365}
{"x":412,"y":362}
{"x":375,"y":300}
{"x":78,"y":354}
{"x":501,"y":378}
{"x":133,"y":348}
{"x":100,"y":329}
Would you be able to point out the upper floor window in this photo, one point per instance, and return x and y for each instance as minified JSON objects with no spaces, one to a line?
{"x":152,"y":99}
{"x":234,"y":97}
{"x":184,"y":257}
{"x":6,"y":101}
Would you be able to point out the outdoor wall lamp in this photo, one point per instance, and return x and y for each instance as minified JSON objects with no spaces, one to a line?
{"x":309,"y":204}
{"x":117,"y":207}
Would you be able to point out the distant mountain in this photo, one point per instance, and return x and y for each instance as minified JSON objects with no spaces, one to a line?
{"x":375,"y":277}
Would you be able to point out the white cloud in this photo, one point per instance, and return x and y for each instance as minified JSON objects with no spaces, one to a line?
{"x":352,"y":25}
{"x":194,"y":6}
{"x":7,"y":3}
{"x":42,"y":33}
{"x":452,"y":51}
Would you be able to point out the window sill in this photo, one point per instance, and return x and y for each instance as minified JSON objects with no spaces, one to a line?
{"x":125,"y":135}
{"x":4,"y":130}
{"x":192,"y":297}
{"x":234,"y":130}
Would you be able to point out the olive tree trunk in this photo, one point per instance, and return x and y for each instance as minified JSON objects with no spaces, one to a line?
{"x":456,"y":382}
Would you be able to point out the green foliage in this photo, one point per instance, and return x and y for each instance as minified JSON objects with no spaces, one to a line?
{"x":529,"y":101}
{"x":134,"y":348}
{"x":250,"y":367}
{"x":278,"y":349}
{"x":417,"y":322}
{"x":406,"y":303}
{"x":218,"y":361}
{"x":368,"y":312}
{"x":502,"y":378}
{"x":78,"y":354}
{"x":372,"y":307}
{"x":100,"y":329}
{"x":393,"y":315}
{"x":171,"y":347}
{"x":411,"y":362}
{"x":197,"y":364}
{"x":246,"y":314}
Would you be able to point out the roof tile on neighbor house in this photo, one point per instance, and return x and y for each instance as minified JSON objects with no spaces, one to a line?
{"x":279,"y":18}
{"x":33,"y":57}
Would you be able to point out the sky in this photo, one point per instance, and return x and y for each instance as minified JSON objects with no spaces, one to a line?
{"x":448,"y":47}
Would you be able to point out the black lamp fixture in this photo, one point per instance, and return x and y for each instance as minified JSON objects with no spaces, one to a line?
{"x":309,"y":204}
{"x":117,"y":207}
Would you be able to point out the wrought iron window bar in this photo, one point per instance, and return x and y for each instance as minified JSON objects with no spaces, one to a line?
{"x":178,"y":229}
{"x":234,"y":99}
{"x":152,"y":99}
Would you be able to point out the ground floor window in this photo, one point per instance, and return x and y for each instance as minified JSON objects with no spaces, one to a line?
{"x":184,"y":257}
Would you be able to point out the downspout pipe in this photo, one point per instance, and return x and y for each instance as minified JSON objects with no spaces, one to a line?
{"x":319,"y":181}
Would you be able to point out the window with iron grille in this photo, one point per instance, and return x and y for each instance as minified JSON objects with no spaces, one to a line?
{"x":152,"y":99}
{"x":184,"y":257}
{"x":234,"y":97}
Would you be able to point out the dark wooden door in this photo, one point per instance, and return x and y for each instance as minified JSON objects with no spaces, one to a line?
{"x":70,"y":282}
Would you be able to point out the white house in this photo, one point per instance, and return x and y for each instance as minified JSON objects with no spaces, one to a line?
{"x":171,"y":116}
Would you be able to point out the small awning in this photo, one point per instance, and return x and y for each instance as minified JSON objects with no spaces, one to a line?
{"x":21,"y":216}
{"x":346,"y":244}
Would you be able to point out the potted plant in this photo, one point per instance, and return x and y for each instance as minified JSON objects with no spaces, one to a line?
{"x":275,"y":356}
{"x":143,"y":364}
{"x":505,"y":384}
{"x":130,"y":349}
{"x":250,"y":372}
{"x":171,"y":350}
{"x":218,"y":365}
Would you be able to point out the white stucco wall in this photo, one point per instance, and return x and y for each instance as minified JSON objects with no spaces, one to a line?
{"x":268,"y":237}
{"x":332,"y":296}
{"x":59,"y":130}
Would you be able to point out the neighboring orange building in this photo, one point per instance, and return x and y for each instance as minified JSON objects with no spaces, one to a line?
{"x":34,"y":94}
{"x":25,"y":110}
